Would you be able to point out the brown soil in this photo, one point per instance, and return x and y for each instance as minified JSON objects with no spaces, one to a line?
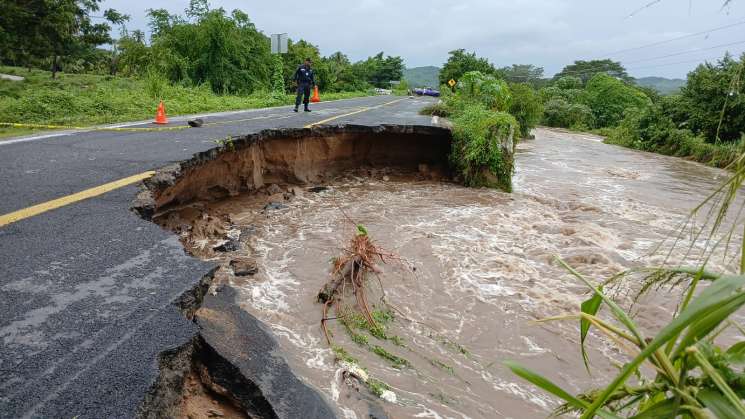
{"x":203,"y":399}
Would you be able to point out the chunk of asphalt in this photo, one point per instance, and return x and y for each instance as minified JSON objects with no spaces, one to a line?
{"x":242,"y":267}
{"x":228,"y":246}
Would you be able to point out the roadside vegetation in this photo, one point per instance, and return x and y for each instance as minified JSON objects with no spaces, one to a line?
{"x":690,"y":367}
{"x":202,"y":61}
{"x":85,"y":99}
{"x":703,"y":121}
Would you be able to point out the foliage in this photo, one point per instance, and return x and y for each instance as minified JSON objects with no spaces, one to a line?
{"x":82,"y":99}
{"x":609,"y":98}
{"x":586,"y":70}
{"x":652,"y":129}
{"x":692,"y":376}
{"x":560,"y":113}
{"x":278,"y":82}
{"x":40,"y":32}
{"x":686,"y":125}
{"x":526,"y":107}
{"x":709,"y":88}
{"x":224,"y":51}
{"x":522,"y":73}
{"x":461,"y":62}
{"x":481,"y":138}
{"x":485,"y":89}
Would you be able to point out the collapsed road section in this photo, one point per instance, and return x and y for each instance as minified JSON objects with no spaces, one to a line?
{"x":233,"y":367}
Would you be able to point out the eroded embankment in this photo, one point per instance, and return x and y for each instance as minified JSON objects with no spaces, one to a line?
{"x":233,"y":367}
{"x":294,"y":156}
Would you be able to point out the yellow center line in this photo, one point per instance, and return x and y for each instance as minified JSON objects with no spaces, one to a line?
{"x":37,"y":209}
{"x":69,"y":199}
{"x":323,"y":121}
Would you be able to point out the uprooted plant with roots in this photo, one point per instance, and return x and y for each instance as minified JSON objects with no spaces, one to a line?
{"x":351,"y":272}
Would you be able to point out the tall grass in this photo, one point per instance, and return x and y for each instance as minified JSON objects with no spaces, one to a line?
{"x":83,"y":99}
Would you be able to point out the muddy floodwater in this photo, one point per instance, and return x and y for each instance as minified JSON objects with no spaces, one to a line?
{"x":477,"y":271}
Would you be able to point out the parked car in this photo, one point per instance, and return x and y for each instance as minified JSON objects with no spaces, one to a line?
{"x":427,"y":92}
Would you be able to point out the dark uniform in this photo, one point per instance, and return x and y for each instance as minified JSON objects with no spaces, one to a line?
{"x":304,"y":77}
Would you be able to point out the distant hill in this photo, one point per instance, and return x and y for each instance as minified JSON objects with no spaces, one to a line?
{"x":422,"y":76}
{"x":661,"y":84}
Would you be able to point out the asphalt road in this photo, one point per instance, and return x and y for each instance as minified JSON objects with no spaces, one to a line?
{"x":86,"y":289}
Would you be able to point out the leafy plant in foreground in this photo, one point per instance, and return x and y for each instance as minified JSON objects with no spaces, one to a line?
{"x":693,"y":377}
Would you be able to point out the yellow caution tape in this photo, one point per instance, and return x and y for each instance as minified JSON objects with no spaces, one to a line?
{"x":43,"y":126}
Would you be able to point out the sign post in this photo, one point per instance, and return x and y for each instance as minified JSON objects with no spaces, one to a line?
{"x":279,"y":43}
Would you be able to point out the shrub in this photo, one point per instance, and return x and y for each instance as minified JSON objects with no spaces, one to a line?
{"x":651,"y":129}
{"x":609,"y":98}
{"x":483,"y":147}
{"x":485,"y":89}
{"x":526,"y":107}
{"x":560,"y":113}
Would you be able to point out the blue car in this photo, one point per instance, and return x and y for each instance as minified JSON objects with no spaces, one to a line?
{"x":427,"y":92}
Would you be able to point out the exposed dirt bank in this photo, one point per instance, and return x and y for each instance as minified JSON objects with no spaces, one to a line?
{"x":295,"y":156}
{"x":233,"y":368}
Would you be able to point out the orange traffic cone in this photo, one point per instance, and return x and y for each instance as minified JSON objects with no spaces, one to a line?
{"x":315,"y":98}
{"x":160,"y":115}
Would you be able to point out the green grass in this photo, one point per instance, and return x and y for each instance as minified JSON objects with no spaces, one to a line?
{"x":88,"y":99}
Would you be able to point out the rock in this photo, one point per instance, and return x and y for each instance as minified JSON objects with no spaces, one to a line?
{"x":274,"y":189}
{"x":317,"y":189}
{"x":423,"y":168}
{"x":214,"y":413}
{"x":296,"y":191}
{"x":274,"y":206}
{"x":228,"y":246}
{"x":243,"y":267}
{"x":388,"y":396}
{"x":195,"y":123}
{"x":386,"y":178}
{"x":354,"y":370}
{"x":288,"y":196}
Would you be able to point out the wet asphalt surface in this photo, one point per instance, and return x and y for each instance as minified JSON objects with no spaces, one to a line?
{"x":86,"y":290}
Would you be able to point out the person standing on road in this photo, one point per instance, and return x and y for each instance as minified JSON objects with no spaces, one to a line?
{"x":305,"y":78}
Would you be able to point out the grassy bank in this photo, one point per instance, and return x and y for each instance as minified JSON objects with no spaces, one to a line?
{"x":85,"y":99}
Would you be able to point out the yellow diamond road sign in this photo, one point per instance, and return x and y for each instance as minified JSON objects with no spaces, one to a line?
{"x":451,"y":82}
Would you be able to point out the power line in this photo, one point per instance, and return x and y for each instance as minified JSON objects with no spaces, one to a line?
{"x":646,"y":6}
{"x":653,"y":44}
{"x":687,"y":52}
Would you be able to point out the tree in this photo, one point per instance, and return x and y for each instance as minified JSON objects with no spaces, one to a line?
{"x":460,"y":62}
{"x":224,"y":51}
{"x":526,"y":107}
{"x":53,"y":30}
{"x":586,"y":70}
{"x":522,"y":73}
{"x":707,"y":90}
{"x":609,"y":98}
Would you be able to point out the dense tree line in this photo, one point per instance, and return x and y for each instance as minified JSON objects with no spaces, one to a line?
{"x":705,"y":121}
{"x":204,"y":46}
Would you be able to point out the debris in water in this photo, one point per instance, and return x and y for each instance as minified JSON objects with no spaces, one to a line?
{"x":388,"y":396}
{"x":228,"y":246}
{"x":243,"y":267}
{"x":274,"y":206}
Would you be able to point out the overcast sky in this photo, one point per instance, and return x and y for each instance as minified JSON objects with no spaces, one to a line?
{"x":547,"y":33}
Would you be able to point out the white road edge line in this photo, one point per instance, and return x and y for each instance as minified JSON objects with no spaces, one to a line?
{"x":175,"y":118}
